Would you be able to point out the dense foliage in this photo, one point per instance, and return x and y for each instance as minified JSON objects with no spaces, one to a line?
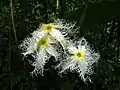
{"x":102,"y":31}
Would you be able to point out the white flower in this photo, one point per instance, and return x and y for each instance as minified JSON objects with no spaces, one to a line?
{"x":42,"y":47}
{"x":44,"y":51}
{"x":81,"y":59}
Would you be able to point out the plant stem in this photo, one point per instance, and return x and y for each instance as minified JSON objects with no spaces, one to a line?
{"x":13,"y":24}
{"x":9,"y":57}
{"x":57,"y":4}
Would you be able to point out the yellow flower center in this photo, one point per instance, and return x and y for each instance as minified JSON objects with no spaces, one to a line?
{"x":79,"y":55}
{"x":43,"y":42}
{"x":47,"y":27}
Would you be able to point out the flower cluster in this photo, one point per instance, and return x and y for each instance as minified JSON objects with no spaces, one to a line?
{"x":78,"y":57}
{"x":42,"y":43}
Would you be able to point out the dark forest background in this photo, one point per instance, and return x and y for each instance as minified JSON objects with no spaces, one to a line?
{"x":99,"y":22}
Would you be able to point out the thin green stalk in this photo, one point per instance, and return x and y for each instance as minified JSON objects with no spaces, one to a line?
{"x":12,"y":16}
{"x":83,"y":15}
{"x":9,"y":57}
{"x":15,"y":36}
{"x":57,"y":4}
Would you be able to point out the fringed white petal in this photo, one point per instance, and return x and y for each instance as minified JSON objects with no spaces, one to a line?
{"x":40,"y":62}
{"x":72,"y":49}
{"x":29,"y":45}
{"x":83,"y":70}
{"x":38,"y":34}
{"x":82,"y":44}
{"x":59,"y":37}
{"x":66,"y":65}
{"x":63,"y":24}
{"x":51,"y":50}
